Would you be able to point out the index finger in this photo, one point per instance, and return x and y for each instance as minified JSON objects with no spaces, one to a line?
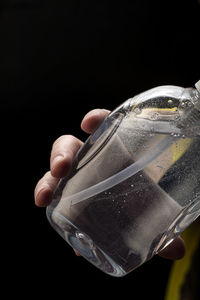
{"x":93,"y":118}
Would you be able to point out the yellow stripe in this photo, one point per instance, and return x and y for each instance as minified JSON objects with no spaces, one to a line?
{"x":179,"y":148}
{"x":154,"y":108}
{"x":180,"y":268}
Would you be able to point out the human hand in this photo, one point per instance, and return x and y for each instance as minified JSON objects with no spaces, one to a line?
{"x":63,"y":151}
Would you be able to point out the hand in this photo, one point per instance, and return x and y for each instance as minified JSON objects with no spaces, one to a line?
{"x":63,"y":151}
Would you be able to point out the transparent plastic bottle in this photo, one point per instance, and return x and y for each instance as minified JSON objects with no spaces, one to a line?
{"x":135,"y":184}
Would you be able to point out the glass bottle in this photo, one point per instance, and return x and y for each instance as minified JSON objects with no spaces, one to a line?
{"x":134,"y":185}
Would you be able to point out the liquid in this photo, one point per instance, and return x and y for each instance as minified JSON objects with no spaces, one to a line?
{"x":122,"y":227}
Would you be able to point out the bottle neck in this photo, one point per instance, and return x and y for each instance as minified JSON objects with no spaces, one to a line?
{"x":197,"y":85}
{"x":197,"y":104}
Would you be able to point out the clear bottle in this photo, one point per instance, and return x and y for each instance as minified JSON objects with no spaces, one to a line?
{"x":135,"y":184}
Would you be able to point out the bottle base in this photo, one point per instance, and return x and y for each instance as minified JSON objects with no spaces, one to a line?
{"x":187,"y":216}
{"x":84,"y":245}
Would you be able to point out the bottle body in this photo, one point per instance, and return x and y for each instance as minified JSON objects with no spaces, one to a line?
{"x":134,"y":185}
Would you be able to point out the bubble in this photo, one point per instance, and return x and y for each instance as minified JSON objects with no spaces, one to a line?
{"x":177,"y":117}
{"x":154,"y":116}
{"x":137,"y":110}
{"x":170,"y":102}
{"x":175,"y":134}
{"x":183,"y":104}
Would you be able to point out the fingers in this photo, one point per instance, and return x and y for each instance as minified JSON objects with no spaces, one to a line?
{"x":63,"y":151}
{"x":66,"y":146}
{"x":175,"y":250}
{"x":93,"y":118}
{"x":44,"y":189}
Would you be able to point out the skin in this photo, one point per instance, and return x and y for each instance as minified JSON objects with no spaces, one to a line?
{"x":62,"y":154}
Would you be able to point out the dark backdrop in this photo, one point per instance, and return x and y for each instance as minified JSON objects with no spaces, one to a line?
{"x":58,"y":60}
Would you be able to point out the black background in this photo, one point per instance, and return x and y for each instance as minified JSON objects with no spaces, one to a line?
{"x":58,"y":60}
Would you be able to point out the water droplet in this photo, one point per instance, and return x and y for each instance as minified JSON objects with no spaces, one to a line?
{"x":177,"y":117}
{"x":183,"y":104}
{"x":137,"y":110}
{"x":170,"y":102}
{"x":190,"y":104}
{"x":175,"y":134}
{"x":154,"y":116}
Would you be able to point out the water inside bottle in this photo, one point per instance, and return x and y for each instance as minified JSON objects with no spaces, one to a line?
{"x":122,"y":227}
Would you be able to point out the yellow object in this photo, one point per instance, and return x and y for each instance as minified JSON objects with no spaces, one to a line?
{"x":180,"y":268}
{"x":179,"y":148}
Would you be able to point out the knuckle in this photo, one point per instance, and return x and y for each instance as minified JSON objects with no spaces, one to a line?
{"x":58,"y":140}
{"x":41,"y":181}
{"x":61,"y":144}
{"x":47,"y":174}
{"x":44,"y":177}
{"x":65,"y":144}
{"x":62,"y":138}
